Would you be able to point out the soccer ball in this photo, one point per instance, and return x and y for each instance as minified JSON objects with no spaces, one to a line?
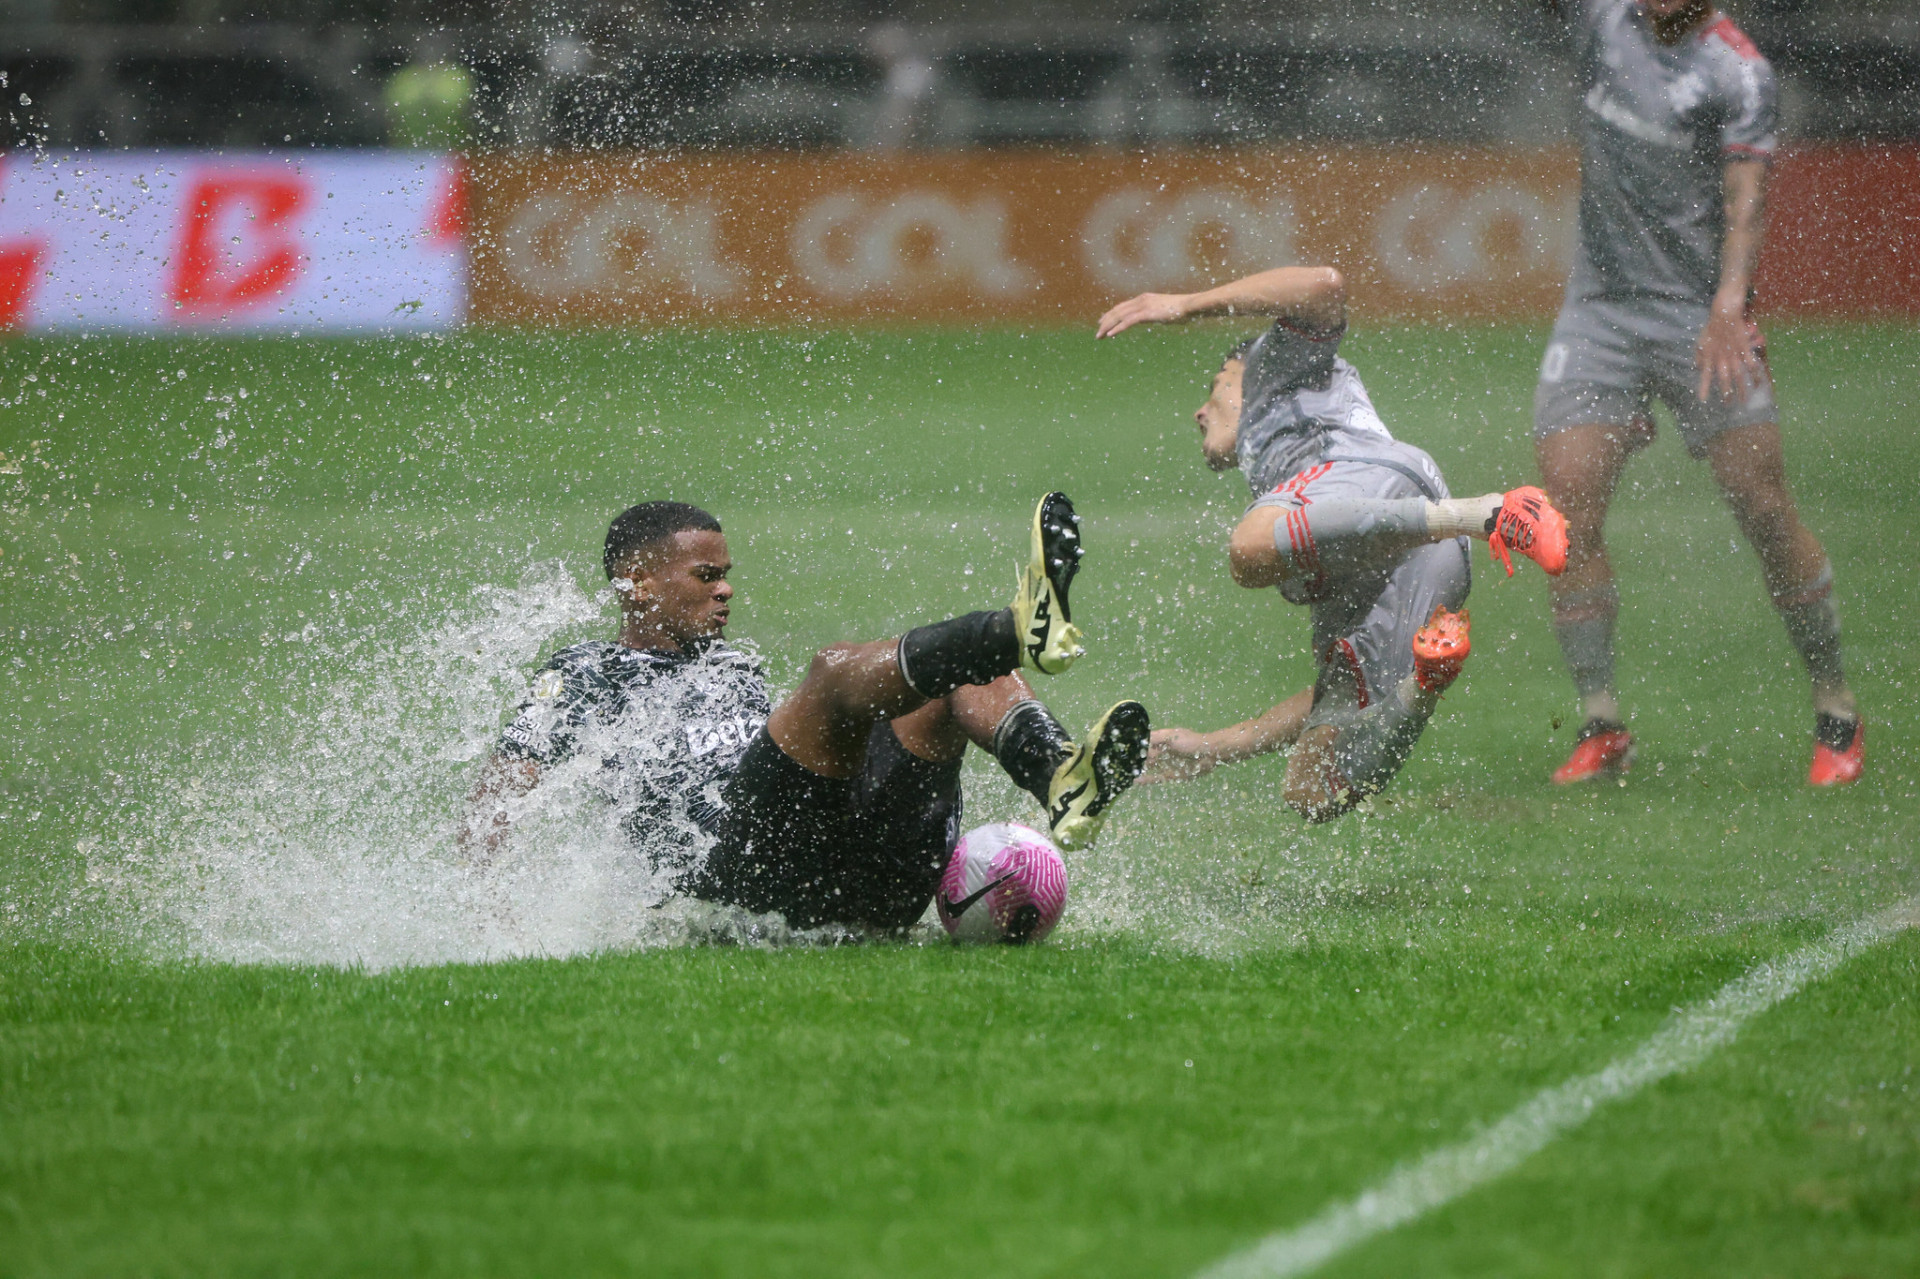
{"x":1005,"y":883}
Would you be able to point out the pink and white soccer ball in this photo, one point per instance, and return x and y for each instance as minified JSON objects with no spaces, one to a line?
{"x":1005,"y":883}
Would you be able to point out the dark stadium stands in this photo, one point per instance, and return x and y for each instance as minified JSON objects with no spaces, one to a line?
{"x":874,"y":73}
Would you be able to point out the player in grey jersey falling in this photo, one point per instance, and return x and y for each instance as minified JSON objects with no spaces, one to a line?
{"x":1347,"y":520}
{"x":1676,"y":131}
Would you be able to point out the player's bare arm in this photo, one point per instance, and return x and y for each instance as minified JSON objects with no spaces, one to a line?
{"x":1728,"y":363}
{"x":1314,"y":295}
{"x":502,"y":778}
{"x":1181,"y":754}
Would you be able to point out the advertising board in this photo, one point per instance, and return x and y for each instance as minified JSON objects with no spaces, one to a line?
{"x":1422,"y":234}
{"x":313,"y":243}
{"x":321,"y":242}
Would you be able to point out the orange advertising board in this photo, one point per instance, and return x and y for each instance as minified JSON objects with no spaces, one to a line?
{"x":1421,"y":233}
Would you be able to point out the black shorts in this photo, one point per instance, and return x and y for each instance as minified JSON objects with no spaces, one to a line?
{"x":866,"y":850}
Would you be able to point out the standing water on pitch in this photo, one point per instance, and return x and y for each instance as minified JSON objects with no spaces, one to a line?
{"x":340,"y":834}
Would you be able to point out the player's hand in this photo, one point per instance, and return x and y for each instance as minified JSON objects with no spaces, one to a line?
{"x":1148,"y":308}
{"x":1178,"y":755}
{"x":1729,"y":366}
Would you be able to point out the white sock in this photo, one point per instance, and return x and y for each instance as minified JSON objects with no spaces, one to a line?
{"x":1602,"y":706}
{"x":1459,"y":516}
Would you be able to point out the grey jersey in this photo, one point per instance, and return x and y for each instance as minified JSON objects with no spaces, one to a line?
{"x":1299,"y":403}
{"x":1657,"y":123}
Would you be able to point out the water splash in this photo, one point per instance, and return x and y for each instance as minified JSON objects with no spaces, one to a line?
{"x":334,"y":835}
{"x":341,"y":827}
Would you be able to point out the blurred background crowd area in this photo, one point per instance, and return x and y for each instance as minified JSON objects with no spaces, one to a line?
{"x":868,"y":74}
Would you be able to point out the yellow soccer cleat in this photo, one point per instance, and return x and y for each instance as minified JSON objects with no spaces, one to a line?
{"x":1049,"y":641}
{"x":1096,"y":772}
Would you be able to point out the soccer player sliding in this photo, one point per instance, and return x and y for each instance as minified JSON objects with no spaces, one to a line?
{"x":842,"y":804}
{"x":1676,"y":131}
{"x":1346,"y":520}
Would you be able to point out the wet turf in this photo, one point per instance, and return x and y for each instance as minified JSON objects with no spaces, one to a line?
{"x":1347,"y":996}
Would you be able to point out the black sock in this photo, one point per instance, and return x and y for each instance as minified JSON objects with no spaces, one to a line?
{"x":1030,"y":743}
{"x":1835,"y":730}
{"x":975,"y":648}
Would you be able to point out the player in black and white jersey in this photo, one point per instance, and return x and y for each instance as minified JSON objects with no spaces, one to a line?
{"x":842,"y":804}
{"x":1346,"y":520}
{"x":1677,"y":127}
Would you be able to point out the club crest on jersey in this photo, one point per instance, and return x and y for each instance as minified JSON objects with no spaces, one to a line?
{"x":548,"y":685}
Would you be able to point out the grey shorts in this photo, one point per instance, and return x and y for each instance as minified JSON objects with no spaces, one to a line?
{"x":1608,"y":360}
{"x":1363,"y":641}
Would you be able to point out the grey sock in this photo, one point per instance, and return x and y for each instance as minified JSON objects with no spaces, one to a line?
{"x":1341,"y":536}
{"x":1812,"y":617}
{"x":1583,"y":623}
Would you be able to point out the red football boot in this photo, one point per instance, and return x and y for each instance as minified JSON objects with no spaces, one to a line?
{"x":1440,"y":648}
{"x":1839,"y":750}
{"x":1603,"y":747}
{"x":1528,"y":523}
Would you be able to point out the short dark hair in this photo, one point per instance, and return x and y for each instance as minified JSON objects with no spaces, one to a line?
{"x":639,"y":527}
{"x":1239,"y":351}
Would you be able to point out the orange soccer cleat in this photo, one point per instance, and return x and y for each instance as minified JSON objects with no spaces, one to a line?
{"x":1603,"y":747}
{"x":1528,"y":523}
{"x":1839,"y":750}
{"x":1440,"y":648}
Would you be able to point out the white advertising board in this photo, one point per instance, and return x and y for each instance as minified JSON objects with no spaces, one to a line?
{"x":319,"y":242}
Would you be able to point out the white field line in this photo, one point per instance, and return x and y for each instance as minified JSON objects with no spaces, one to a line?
{"x":1688,"y":1038}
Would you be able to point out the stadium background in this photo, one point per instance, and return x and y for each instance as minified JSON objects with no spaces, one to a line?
{"x":343,"y":323}
{"x":713,"y":162}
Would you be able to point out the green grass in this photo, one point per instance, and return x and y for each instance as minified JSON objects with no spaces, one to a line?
{"x":1348,"y":996}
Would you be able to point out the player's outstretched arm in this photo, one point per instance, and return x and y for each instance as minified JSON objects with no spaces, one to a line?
{"x":1314,"y":295}
{"x":1180,"y":754}
{"x":1727,"y":361}
{"x":502,"y":778}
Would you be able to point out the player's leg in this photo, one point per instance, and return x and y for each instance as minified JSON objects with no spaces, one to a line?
{"x":794,"y":807}
{"x":1590,"y":414}
{"x":1075,"y":781}
{"x":1749,"y":466}
{"x":1380,"y":683}
{"x":824,"y":725}
{"x":1314,"y":787}
{"x":905,"y":807}
{"x":1739,"y":436}
{"x":1337,"y":520}
{"x":1582,"y":465}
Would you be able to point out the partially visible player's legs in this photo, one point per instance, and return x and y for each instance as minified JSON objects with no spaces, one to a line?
{"x":1075,"y":781}
{"x":1380,"y":683}
{"x":1582,"y":466}
{"x":1314,"y":788}
{"x":1749,"y":466}
{"x":1291,"y":535}
{"x":823,"y":726}
{"x":796,"y":808}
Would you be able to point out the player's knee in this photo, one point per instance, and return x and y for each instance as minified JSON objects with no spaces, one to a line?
{"x":1252,"y":557}
{"x":830,"y":661}
{"x":1314,"y":801}
{"x":1314,"y":788}
{"x":1766,"y":513}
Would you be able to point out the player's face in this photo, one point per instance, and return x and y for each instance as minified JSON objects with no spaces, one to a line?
{"x":1219,"y":418}
{"x":682,"y":588}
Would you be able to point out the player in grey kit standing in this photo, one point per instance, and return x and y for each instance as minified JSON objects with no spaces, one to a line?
{"x":1676,"y":131}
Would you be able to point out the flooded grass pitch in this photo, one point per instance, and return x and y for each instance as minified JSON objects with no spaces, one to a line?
{"x":265,"y":604}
